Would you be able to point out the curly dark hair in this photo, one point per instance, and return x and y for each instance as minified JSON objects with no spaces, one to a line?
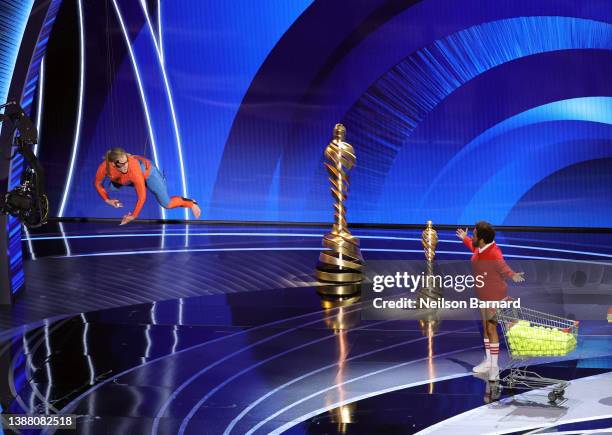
{"x":485,"y":231}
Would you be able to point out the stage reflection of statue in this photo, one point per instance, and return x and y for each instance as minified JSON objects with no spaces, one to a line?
{"x":341,"y":316}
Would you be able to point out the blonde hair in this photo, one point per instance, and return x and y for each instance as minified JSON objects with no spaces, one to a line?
{"x":112,"y":156}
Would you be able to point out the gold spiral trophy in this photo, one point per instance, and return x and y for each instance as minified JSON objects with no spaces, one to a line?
{"x":342,"y":262}
{"x":429,"y":323}
{"x":429,"y":239}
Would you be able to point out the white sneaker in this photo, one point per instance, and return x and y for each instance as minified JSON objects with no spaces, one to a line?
{"x":483,"y":367}
{"x":493,"y":373}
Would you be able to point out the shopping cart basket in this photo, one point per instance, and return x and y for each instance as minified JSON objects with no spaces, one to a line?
{"x":533,"y":334}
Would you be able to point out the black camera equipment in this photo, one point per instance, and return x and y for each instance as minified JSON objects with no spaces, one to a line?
{"x":27,"y":202}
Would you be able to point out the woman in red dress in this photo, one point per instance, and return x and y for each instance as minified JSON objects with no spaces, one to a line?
{"x":488,"y":261}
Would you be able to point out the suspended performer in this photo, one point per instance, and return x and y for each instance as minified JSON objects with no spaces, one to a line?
{"x":125,"y":169}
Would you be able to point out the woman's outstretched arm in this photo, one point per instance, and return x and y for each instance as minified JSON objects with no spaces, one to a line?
{"x":138,"y":180}
{"x":100,"y":174}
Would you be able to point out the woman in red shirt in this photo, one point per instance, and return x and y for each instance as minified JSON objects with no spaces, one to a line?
{"x":124,"y":169}
{"x":488,"y":262}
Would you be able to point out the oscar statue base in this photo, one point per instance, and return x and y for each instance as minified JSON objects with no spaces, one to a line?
{"x":339,"y":290}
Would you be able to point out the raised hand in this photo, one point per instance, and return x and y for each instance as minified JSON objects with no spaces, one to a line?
{"x":461,"y":233}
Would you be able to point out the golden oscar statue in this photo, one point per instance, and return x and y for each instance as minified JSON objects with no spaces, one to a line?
{"x":429,"y":240}
{"x":429,"y":321}
{"x":341,"y":262}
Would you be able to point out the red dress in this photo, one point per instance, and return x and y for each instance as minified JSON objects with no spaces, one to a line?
{"x":491,"y":265}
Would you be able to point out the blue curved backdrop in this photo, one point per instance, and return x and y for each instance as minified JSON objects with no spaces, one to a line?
{"x":458,"y":110}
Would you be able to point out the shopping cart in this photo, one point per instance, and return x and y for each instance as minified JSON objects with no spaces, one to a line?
{"x":533,"y":334}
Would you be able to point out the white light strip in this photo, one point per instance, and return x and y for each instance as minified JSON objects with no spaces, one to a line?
{"x":48,"y":366}
{"x":92,"y":376}
{"x":153,"y":251}
{"x":414,"y":251}
{"x":177,"y":136}
{"x":29,"y":239}
{"x":77,"y":132}
{"x":175,"y":337}
{"x":179,"y":234}
{"x":154,"y":313}
{"x":39,"y":105}
{"x":66,"y":244}
{"x":181,"y":311}
{"x":149,"y":344}
{"x":314,"y":235}
{"x":28,"y":354}
{"x":159,"y":31}
{"x":140,"y":89}
{"x":605,"y":431}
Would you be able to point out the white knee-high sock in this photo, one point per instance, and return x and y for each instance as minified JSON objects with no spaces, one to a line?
{"x":487,"y":349}
{"x":494,"y":353}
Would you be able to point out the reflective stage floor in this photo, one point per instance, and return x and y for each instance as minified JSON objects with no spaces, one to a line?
{"x":144,"y":330}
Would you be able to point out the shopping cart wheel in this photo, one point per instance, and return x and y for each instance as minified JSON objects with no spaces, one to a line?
{"x":552,"y":397}
{"x":496,"y":389}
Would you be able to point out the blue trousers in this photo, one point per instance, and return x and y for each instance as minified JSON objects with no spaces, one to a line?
{"x":156,"y":184}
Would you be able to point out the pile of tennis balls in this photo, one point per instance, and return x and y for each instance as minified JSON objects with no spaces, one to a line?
{"x":526,"y":340}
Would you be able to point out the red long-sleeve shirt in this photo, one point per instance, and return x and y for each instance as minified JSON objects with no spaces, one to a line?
{"x":491,"y":265}
{"x":134,"y":176}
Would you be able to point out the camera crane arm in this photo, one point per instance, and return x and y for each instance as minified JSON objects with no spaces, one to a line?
{"x":28,"y":202}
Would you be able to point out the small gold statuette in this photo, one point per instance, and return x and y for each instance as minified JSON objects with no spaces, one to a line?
{"x":429,"y":239}
{"x":342,"y":261}
{"x":429,"y":320}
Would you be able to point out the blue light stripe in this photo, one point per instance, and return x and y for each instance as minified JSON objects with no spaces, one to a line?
{"x":415,"y":251}
{"x":29,"y":85}
{"x":312,"y":235}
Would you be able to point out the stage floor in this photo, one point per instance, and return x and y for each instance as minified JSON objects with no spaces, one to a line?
{"x":88,"y":266}
{"x":146,"y":330}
